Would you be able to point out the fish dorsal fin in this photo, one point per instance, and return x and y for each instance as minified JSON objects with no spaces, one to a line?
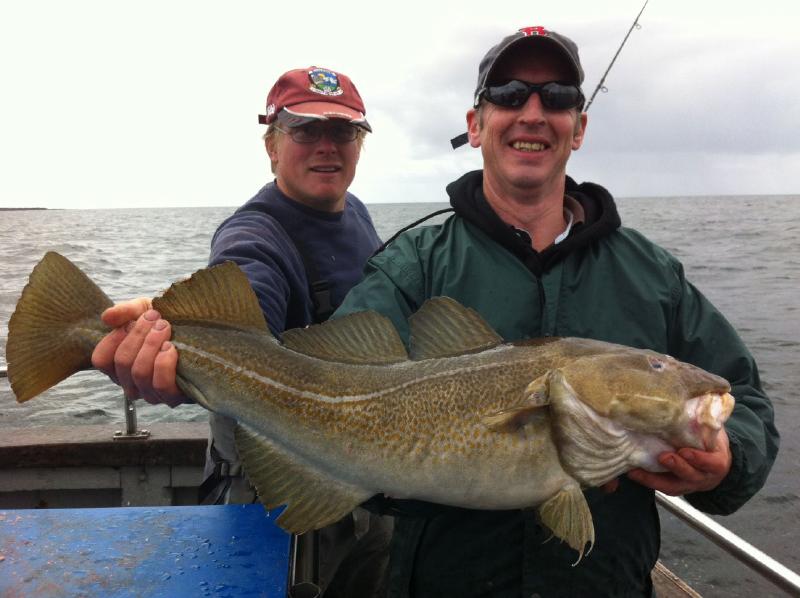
{"x":365,"y":337}
{"x":442,"y":327}
{"x":219,"y":294}
{"x":313,"y":498}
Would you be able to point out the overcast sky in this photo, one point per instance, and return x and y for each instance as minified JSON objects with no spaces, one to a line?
{"x":153,"y":103}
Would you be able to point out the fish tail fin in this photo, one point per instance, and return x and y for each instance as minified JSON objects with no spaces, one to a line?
{"x":54,"y":328}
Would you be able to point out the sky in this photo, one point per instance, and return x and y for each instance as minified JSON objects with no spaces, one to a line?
{"x":154,"y":103}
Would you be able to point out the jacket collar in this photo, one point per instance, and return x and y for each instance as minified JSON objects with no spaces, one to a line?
{"x":600,"y":219}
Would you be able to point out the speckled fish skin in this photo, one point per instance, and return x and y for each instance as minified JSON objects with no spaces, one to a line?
{"x":339,"y":412}
{"x":417,"y":429}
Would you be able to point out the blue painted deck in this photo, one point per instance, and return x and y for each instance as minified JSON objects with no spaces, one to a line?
{"x":227,"y":550}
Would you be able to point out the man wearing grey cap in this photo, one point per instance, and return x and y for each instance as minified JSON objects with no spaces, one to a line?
{"x":538,"y":255}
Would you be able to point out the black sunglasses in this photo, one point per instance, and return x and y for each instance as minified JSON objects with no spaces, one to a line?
{"x":514,"y":93}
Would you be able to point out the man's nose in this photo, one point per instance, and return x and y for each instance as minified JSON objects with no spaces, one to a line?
{"x":533,"y":110}
{"x":326,"y":143}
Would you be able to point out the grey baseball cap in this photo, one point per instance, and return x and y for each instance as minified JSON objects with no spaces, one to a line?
{"x":526,"y":35}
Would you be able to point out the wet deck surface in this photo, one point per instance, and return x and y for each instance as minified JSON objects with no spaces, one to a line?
{"x":228,"y":550}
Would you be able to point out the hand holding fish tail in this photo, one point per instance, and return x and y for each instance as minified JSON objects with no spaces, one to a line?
{"x":154,"y":367}
{"x":119,"y":314}
{"x":137,"y":354}
{"x":689,"y":470}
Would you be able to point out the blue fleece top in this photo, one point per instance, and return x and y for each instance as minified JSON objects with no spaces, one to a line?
{"x":258,"y":237}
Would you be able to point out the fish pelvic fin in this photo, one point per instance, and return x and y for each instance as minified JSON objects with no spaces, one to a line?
{"x":219,"y":294}
{"x":442,"y":327}
{"x":364,"y":337}
{"x":54,"y":328}
{"x":568,"y":516}
{"x":312,"y":498}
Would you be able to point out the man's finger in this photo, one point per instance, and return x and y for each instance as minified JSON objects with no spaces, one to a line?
{"x":679,"y":467}
{"x":164,"y":374}
{"x":610,"y":486}
{"x":144,"y":363}
{"x":716,"y":462}
{"x":103,"y":354}
{"x":125,"y":311}
{"x":129,"y":348}
{"x":663,"y":482}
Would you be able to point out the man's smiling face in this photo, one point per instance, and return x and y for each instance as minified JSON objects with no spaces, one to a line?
{"x":315,"y":174}
{"x":525,"y":149}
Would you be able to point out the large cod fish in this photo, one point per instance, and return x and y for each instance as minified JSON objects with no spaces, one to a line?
{"x":339,"y":412}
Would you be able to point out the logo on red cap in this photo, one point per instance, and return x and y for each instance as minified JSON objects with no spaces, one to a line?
{"x":537,"y":30}
{"x":324,"y":82}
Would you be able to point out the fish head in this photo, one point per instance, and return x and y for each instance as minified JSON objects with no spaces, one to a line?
{"x":653,"y":394}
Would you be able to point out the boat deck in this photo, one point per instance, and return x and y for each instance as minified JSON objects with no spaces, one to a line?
{"x":219,"y":550}
{"x":81,"y":468}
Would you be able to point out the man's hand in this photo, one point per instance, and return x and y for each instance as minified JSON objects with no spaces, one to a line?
{"x":137,"y":355}
{"x":689,"y":470}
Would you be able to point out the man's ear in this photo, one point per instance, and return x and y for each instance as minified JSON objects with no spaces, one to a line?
{"x":580,"y":130}
{"x":269,"y":144}
{"x":474,"y":127}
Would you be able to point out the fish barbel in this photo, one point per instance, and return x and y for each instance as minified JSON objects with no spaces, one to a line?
{"x":339,"y":412}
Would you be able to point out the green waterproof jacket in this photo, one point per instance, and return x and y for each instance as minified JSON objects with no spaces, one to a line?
{"x":606,"y":283}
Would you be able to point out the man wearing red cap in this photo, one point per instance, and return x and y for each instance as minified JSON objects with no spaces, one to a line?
{"x":538,"y":255}
{"x":302,"y":241}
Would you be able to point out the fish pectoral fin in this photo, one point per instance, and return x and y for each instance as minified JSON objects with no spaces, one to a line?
{"x":364,"y":337}
{"x":538,"y":391}
{"x":313,"y":499}
{"x":442,"y":327}
{"x":536,"y":397}
{"x":567,"y":514}
{"x":511,"y":420}
{"x":220,"y":294}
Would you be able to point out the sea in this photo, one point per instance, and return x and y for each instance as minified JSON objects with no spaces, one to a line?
{"x":743,"y":252}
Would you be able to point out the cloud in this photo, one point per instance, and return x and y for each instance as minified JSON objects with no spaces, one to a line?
{"x":109,"y":106}
{"x":717,"y":95}
{"x":684,"y":113}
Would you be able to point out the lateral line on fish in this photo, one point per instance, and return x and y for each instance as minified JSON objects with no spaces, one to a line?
{"x":341,"y":398}
{"x":650,"y":398}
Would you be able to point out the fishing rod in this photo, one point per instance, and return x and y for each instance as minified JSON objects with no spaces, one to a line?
{"x":600,"y":85}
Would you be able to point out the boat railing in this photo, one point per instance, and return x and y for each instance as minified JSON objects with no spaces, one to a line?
{"x":740,"y":549}
{"x":743,"y":551}
{"x":132,"y":431}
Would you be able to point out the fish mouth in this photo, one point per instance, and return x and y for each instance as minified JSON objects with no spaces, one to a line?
{"x":707,"y":414}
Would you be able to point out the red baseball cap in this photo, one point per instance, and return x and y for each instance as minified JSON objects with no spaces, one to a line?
{"x":304,"y":95}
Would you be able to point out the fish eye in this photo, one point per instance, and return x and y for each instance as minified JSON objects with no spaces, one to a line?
{"x":657,"y":364}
